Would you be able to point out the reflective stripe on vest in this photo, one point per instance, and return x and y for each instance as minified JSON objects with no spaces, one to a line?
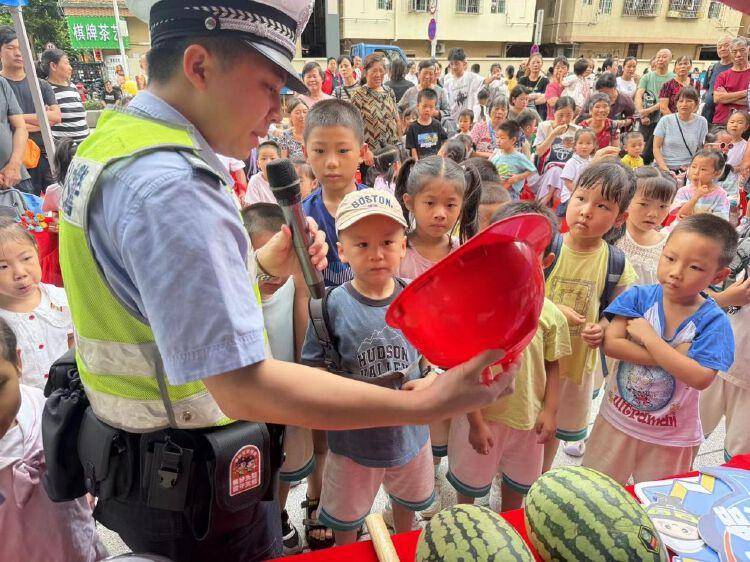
{"x":118,"y":360}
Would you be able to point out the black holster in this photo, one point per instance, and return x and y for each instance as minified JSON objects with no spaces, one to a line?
{"x":209,"y":475}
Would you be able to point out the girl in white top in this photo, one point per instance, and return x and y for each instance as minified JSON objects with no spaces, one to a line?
{"x":642,"y":240}
{"x":38,"y":313}
{"x":737,"y":125}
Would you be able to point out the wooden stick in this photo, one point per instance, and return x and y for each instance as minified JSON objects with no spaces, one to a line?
{"x":381,"y":538}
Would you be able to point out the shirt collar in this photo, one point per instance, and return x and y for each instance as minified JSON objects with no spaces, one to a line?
{"x":148,"y":104}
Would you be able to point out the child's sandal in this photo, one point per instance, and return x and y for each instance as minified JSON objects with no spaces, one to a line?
{"x":311,"y":524}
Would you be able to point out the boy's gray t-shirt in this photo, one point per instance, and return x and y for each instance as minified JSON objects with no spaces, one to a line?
{"x":368,"y":348}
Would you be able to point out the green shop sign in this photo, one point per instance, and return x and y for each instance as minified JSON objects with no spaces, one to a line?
{"x":95,"y":32}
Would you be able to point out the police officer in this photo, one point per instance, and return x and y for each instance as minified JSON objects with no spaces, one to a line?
{"x":169,"y":333}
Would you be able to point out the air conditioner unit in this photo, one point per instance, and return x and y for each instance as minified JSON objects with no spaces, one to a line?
{"x":440,"y":48}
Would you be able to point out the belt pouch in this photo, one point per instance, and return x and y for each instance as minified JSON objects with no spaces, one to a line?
{"x":242,"y":468}
{"x":104,"y":455}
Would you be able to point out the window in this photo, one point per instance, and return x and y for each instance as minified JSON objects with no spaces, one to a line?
{"x":385,"y":4}
{"x":605,"y":6}
{"x":467,"y":6}
{"x":684,"y":9}
{"x":641,"y":8}
{"x":497,"y":6}
{"x":715,"y":9}
{"x":417,"y":5}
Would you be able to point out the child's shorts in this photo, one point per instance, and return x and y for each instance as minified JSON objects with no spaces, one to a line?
{"x":299,"y":461}
{"x":621,"y":456}
{"x":439,"y":431}
{"x":516,"y":455}
{"x":575,"y":408}
{"x":349,"y":488}
{"x":723,"y":398}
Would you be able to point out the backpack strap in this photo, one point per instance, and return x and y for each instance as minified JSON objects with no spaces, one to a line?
{"x":555,"y":247}
{"x":321,"y":325}
{"x":615,"y":268}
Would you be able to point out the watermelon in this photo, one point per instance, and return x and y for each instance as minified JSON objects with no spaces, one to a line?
{"x":470,"y":533}
{"x":576,"y":513}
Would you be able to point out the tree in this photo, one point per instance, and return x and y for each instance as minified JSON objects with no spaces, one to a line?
{"x":45,"y":23}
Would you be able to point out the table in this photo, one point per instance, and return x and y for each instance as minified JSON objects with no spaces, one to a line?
{"x":406,"y":543}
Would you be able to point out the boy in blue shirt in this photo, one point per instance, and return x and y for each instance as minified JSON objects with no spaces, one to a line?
{"x":372,"y":240}
{"x":334,"y":147}
{"x":513,"y":166}
{"x":671,"y":340}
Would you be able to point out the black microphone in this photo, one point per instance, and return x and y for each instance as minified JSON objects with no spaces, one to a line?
{"x":284,"y":183}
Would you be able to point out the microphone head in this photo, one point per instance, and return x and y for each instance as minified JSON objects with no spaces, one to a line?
{"x":281,"y":173}
{"x":283,"y":181}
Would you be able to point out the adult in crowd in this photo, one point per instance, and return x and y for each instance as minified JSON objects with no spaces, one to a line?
{"x":554,"y":143}
{"x":647,"y":98}
{"x":349,"y":82}
{"x":560,"y":69}
{"x":312,"y":77}
{"x":627,"y":82}
{"x":426,"y":77}
{"x":411,"y":75}
{"x":535,"y":83}
{"x":330,"y":79}
{"x":671,"y":88}
{"x":291,"y":140}
{"x":180,"y":370}
{"x":398,"y":82}
{"x":111,"y":94}
{"x":13,"y":136}
{"x":519,"y":102}
{"x":600,"y":123}
{"x":621,"y":106}
{"x":56,"y":67}
{"x":377,"y":104}
{"x":730,"y":88}
{"x":461,"y":86}
{"x":610,"y":64}
{"x":510,"y":77}
{"x":358,"y":70}
{"x":678,"y":136}
{"x":495,"y":81}
{"x":14,"y":72}
{"x":484,"y":133}
{"x":724,"y":51}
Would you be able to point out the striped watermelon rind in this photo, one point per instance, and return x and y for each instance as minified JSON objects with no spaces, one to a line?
{"x":470,"y":533}
{"x":577,"y":513}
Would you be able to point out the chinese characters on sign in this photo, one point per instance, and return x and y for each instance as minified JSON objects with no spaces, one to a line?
{"x":89,"y":32}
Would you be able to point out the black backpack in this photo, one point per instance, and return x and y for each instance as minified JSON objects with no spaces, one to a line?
{"x":321,"y":325}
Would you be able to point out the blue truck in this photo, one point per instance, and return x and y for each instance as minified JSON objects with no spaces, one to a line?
{"x":391,"y":51}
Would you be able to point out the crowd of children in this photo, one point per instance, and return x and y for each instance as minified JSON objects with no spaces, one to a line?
{"x":635,"y":292}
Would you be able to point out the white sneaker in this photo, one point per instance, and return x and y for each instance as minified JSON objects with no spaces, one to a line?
{"x":575,"y":449}
{"x":437,"y":504}
{"x":388,"y":517}
{"x":496,"y":494}
{"x":388,"y":514}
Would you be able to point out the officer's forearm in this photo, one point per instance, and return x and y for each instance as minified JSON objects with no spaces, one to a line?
{"x":287,"y":393}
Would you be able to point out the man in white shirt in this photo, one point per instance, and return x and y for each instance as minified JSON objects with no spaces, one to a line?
{"x":461,"y":86}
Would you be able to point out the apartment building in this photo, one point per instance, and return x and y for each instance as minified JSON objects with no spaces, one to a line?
{"x":483,"y":28}
{"x":597,"y":28}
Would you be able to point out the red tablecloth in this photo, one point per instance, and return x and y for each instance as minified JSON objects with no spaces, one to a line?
{"x":406,"y":543}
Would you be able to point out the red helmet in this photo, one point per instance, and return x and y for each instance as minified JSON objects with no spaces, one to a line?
{"x":488,"y":294}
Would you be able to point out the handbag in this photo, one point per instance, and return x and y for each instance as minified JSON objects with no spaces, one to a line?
{"x":31,"y":154}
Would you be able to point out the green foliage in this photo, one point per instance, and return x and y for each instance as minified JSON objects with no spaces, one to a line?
{"x":45,"y":23}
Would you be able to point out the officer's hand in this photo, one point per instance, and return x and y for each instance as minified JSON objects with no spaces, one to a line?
{"x":462,"y":388}
{"x":277,"y":257}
